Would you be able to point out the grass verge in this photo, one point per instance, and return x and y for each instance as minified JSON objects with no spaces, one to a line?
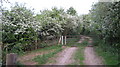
{"x":40,"y":50}
{"x":109,"y":58}
{"x":42,"y":59}
{"x":79,"y":55}
{"x":107,"y":52}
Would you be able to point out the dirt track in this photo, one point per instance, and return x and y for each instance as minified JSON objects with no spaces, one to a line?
{"x":91,"y":57}
{"x":65,"y":57}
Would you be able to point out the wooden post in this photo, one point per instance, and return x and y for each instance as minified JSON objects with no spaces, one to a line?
{"x":62,"y":40}
{"x":65,"y":40}
{"x":59,"y":40}
{"x":11,"y":59}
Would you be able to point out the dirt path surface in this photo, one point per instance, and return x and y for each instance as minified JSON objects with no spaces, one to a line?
{"x":90,"y":56}
{"x":65,"y":57}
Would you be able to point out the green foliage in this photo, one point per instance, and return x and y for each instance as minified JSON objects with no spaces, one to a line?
{"x":23,"y":31}
{"x":71,"y":11}
{"x":18,"y":27}
{"x":109,"y":59}
{"x":108,"y":53}
{"x":105,"y":22}
{"x":56,"y":22}
{"x":43,"y":45}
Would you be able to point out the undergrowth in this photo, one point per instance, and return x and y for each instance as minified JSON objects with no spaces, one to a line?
{"x":107,"y":52}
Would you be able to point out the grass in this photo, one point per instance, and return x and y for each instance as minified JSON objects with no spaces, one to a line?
{"x":42,"y":59}
{"x":40,"y":50}
{"x":109,"y":58}
{"x":103,"y":50}
{"x":71,"y":41}
{"x":46,"y":48}
{"x":106,"y":52}
{"x":79,"y":55}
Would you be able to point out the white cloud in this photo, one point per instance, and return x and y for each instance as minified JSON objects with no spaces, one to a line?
{"x":81,"y":6}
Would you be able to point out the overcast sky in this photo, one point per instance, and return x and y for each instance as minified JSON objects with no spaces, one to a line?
{"x":81,"y":6}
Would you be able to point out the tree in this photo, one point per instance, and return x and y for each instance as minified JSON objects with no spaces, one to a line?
{"x":105,"y":17}
{"x":71,"y":11}
{"x":19,"y":26}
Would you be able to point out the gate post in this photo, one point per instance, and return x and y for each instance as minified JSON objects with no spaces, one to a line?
{"x":65,"y":40}
{"x":11,"y":59}
{"x":62,"y":40}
